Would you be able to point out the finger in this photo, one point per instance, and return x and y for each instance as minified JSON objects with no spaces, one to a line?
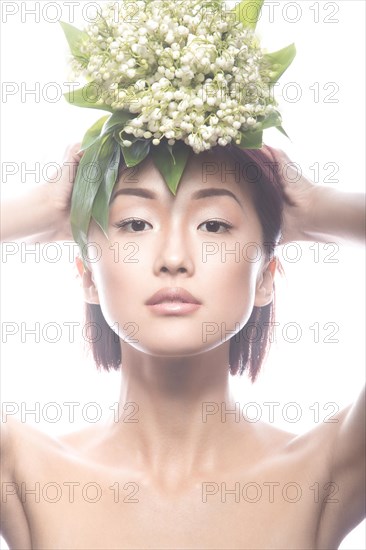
{"x":77,"y":155}
{"x":74,"y":156}
{"x":70,"y":162}
{"x":73,"y":151}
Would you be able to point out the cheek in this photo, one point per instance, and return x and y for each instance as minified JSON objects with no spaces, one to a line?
{"x":119,"y":276}
{"x":230,"y":286}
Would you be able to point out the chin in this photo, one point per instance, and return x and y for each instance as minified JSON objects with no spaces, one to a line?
{"x":179,"y":346}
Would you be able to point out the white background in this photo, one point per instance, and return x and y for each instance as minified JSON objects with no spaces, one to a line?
{"x":36,"y":129}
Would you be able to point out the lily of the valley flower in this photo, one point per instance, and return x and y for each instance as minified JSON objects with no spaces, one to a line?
{"x":186,"y":71}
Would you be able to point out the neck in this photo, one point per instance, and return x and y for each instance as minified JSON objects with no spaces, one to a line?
{"x":170,"y":411}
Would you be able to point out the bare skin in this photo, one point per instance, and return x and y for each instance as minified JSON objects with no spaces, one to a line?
{"x":162,"y":482}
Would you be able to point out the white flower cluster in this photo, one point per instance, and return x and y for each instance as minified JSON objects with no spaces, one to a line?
{"x":185,"y":68}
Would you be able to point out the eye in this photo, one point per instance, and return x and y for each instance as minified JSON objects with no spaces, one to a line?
{"x":137,"y":227}
{"x":214,"y":224}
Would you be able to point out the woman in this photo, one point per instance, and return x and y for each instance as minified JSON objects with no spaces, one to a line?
{"x":167,"y":471}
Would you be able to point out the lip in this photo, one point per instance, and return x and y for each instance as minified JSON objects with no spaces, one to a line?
{"x":172,"y":296}
{"x":174,"y":308}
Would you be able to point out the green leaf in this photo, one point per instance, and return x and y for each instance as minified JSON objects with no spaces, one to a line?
{"x":100,"y":210}
{"x":93,"y":133}
{"x":283,"y":132}
{"x":87,"y":97}
{"x":170,"y":149}
{"x":171,"y":164}
{"x":74,"y":38}
{"x":136,"y":153}
{"x":89,"y":176}
{"x":273,"y":119}
{"x":251,"y":140}
{"x":248,"y":12}
{"x":280,"y":61}
{"x":118,"y":118}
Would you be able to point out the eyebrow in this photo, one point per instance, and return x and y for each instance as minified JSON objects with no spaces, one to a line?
{"x":214,"y":192}
{"x":138,"y":192}
{"x":200,"y":194}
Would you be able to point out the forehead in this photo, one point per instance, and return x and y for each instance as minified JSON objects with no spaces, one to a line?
{"x":206,"y":174}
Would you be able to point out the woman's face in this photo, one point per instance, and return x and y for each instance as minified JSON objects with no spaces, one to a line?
{"x":206,"y":240}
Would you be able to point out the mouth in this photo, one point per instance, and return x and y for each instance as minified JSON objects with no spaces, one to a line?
{"x":172,"y":296}
{"x":173,"y":301}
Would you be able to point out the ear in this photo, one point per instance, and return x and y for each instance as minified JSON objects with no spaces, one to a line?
{"x":87,"y":281}
{"x":265,"y":285}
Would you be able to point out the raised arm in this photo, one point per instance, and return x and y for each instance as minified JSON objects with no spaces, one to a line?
{"x":41,"y":214}
{"x":325,"y":214}
{"x":321,"y":214}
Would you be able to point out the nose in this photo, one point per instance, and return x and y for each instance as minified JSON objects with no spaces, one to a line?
{"x":175,"y":251}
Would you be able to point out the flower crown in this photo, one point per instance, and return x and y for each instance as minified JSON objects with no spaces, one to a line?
{"x":175,"y":76}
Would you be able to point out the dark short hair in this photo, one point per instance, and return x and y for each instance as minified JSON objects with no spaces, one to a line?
{"x":249,"y":347}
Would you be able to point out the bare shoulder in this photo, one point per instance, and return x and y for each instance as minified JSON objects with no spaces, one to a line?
{"x":20,"y":438}
{"x":315,"y":446}
{"x":278,"y":440}
{"x":333,"y":453}
{"x":343,"y":444}
{"x":26,"y":454}
{"x":13,"y":525}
